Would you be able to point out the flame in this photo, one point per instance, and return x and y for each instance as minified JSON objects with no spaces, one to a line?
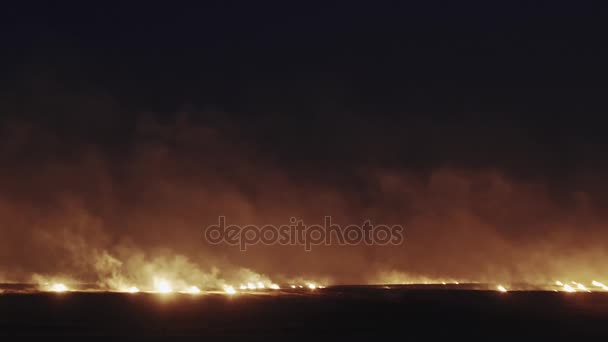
{"x":58,"y":287}
{"x":569,"y":288}
{"x":229,"y":290}
{"x":133,"y":289}
{"x":162,"y":286}
{"x":193,"y":290}
{"x":165,"y":282}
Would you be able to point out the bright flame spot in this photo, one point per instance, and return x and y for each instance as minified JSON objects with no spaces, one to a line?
{"x":573,"y":282}
{"x":559,"y":283}
{"x":251,"y":286}
{"x":598,"y":284}
{"x":569,"y":288}
{"x":275,"y":287}
{"x":261,"y":285}
{"x":293,"y":286}
{"x":193,"y":290}
{"x":162,"y":286}
{"x":59,"y":288}
{"x":443,"y":283}
{"x":301,"y":286}
{"x":229,"y":290}
{"x":311,"y":286}
{"x":132,"y":289}
{"x":582,"y":287}
{"x":243,"y":287}
{"x":501,"y":288}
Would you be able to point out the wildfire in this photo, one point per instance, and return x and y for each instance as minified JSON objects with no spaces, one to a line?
{"x":259,"y":286}
{"x":193,"y":290}
{"x":164,"y":283}
{"x":229,"y":290}
{"x":162,"y":286}
{"x":59,"y":288}
{"x":569,"y":288}
{"x":133,"y":289}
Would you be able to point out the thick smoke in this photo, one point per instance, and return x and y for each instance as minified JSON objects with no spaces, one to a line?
{"x":122,"y":212}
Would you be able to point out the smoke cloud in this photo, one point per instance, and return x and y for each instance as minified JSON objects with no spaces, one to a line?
{"x":77,"y":208}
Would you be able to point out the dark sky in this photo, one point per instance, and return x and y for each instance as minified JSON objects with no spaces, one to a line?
{"x":112,"y":106}
{"x":534,"y":67}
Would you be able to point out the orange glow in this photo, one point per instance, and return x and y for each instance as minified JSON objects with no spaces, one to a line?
{"x":569,"y":288}
{"x":162,"y":286}
{"x":193,"y":290}
{"x":229,"y":290}
{"x":59,"y":288}
{"x":133,"y":289}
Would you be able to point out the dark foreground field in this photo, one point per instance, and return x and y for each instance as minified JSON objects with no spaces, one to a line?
{"x":334,"y":313}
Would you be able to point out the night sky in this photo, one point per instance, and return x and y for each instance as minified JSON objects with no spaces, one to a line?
{"x":480,"y":127}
